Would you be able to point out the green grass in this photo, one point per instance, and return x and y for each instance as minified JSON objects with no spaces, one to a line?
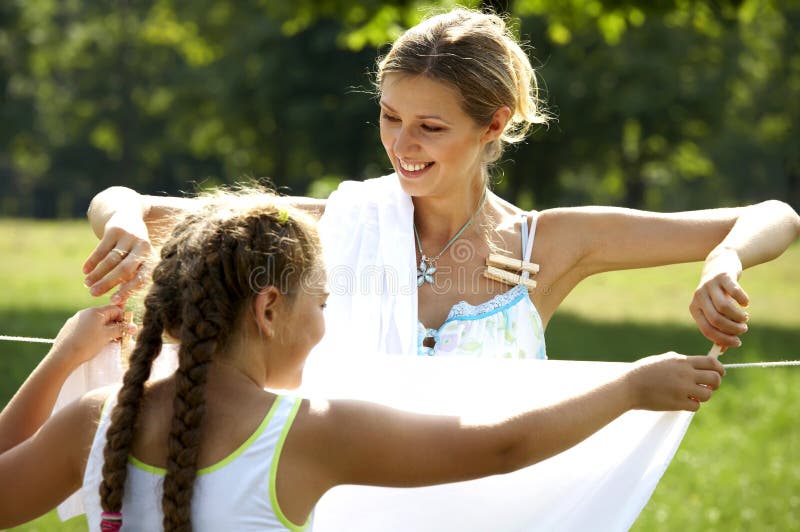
{"x":738,"y":467}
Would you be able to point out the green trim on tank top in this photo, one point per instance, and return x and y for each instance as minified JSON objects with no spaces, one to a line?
{"x":273,"y":474}
{"x":225,"y":461}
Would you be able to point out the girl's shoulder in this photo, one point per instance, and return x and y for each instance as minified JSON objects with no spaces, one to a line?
{"x":94,"y":403}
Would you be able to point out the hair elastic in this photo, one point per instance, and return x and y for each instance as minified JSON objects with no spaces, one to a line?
{"x":111,"y":521}
{"x":283,"y":215}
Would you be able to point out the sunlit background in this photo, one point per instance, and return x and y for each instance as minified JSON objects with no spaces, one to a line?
{"x":666,"y":104}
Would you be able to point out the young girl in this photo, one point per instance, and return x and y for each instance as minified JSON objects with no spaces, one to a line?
{"x":242,"y":288}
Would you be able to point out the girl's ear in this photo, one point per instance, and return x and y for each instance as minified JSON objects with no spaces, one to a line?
{"x":265,"y":308}
{"x":498,"y":124}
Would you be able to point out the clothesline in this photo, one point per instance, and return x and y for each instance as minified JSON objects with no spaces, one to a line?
{"x":775,"y":364}
{"x":28,"y":339}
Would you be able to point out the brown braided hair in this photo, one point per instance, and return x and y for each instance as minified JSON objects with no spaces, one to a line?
{"x":201,"y":289}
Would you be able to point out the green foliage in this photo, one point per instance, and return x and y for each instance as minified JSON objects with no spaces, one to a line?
{"x":665,"y":105}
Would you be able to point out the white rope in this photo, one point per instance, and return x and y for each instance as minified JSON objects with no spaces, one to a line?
{"x":778,"y":364}
{"x":764,"y":364}
{"x":27,"y":339}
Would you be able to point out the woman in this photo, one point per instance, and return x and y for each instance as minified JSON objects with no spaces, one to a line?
{"x":453,"y":91}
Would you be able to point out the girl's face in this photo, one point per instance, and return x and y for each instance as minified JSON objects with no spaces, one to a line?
{"x":302,"y":325}
{"x":434,"y":146}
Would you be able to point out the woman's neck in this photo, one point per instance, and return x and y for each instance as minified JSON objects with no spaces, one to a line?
{"x":438,"y":218}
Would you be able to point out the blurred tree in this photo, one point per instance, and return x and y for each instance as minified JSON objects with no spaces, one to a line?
{"x":651,"y":99}
{"x":666,"y":104}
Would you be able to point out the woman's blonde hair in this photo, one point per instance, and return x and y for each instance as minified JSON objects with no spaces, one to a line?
{"x":475,"y":53}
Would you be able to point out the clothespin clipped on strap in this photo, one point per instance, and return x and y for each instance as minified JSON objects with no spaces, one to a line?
{"x":498,"y":266}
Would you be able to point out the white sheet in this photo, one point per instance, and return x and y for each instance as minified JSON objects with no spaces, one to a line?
{"x":601,"y":484}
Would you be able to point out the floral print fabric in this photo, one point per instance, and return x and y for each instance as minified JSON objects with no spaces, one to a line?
{"x":506,"y":326}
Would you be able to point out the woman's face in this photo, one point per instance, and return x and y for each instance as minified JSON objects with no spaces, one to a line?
{"x":434,"y":146}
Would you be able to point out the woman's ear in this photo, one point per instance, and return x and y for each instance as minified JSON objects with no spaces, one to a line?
{"x":265,"y":308}
{"x":498,"y":124}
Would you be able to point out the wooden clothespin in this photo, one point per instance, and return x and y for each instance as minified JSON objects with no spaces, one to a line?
{"x":501,"y":261}
{"x":716,"y":351}
{"x":127,"y":318}
{"x":498,"y":266}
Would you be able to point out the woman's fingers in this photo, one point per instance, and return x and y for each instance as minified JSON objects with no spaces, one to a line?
{"x":127,"y":288}
{"x":105,"y":245}
{"x":124,"y":270}
{"x":726,"y":305}
{"x":713,"y":309}
{"x":732,"y":288}
{"x":120,"y":266}
{"x":116,"y":251}
{"x":712,"y":333}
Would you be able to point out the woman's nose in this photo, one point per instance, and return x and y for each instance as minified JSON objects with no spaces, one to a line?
{"x":404,"y":142}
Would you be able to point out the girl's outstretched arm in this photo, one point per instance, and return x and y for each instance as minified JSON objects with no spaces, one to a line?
{"x":39,"y":473}
{"x":41,"y":459}
{"x":81,"y":338}
{"x":362,"y":443}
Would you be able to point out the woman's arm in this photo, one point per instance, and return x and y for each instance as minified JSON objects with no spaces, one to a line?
{"x":616,"y":239}
{"x":133,"y":223}
{"x":604,"y":239}
{"x":41,"y":459}
{"x":377,"y":445}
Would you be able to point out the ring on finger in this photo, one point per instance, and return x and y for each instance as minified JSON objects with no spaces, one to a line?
{"x":121,"y":252}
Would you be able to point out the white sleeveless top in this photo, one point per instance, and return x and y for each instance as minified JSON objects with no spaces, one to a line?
{"x":237,"y":493}
{"x":506,"y":326}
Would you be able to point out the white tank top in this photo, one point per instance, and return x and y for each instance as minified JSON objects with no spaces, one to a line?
{"x":506,"y":326}
{"x":237,"y":493}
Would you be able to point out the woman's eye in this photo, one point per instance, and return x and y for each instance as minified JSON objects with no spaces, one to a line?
{"x":432,"y":129}
{"x":390,"y":118}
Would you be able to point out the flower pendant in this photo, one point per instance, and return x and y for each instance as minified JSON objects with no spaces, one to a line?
{"x":425,"y":271}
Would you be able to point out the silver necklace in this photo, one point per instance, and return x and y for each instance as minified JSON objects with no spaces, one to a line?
{"x":427,"y":265}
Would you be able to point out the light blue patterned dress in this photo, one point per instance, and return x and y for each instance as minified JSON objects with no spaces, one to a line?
{"x":506,"y":326}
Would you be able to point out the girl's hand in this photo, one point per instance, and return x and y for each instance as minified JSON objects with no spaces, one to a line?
{"x":120,"y":258}
{"x":673,"y":382}
{"x":716,"y":302}
{"x":88,"y":331}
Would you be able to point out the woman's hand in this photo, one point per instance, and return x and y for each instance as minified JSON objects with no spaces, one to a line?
{"x":673,"y":382}
{"x":716,"y":302}
{"x":120,"y":258}
{"x":87,"y":332}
